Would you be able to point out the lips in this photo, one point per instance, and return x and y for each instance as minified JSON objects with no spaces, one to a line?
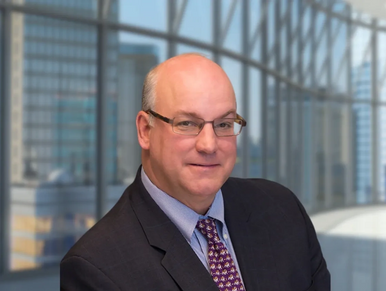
{"x":205,"y":165}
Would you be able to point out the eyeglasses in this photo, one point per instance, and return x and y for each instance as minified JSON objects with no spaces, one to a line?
{"x":189,"y":125}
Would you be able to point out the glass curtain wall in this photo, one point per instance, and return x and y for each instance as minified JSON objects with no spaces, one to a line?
{"x":309,"y":78}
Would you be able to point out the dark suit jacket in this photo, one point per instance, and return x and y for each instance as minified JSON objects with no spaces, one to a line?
{"x":136,"y":247}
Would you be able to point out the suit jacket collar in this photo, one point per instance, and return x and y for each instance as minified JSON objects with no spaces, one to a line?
{"x":179,"y":260}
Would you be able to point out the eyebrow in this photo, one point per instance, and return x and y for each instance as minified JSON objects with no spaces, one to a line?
{"x":182,"y":112}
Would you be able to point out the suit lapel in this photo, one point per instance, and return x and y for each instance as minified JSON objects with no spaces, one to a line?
{"x":186,"y":269}
{"x":250,"y":239}
{"x":179,"y":260}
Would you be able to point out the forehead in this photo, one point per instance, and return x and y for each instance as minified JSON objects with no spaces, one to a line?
{"x":228,"y":114}
{"x":194,"y":87}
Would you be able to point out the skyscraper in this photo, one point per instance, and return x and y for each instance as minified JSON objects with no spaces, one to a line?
{"x":53,"y":129}
{"x":361,"y":76}
{"x":135,"y":61}
{"x":54,"y":94}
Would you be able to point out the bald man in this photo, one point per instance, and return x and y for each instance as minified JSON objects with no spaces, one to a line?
{"x":184,"y":224}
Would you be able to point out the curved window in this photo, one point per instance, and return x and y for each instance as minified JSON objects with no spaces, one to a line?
{"x":309,"y":77}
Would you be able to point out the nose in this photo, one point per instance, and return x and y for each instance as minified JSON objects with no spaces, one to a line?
{"x":207,"y":140}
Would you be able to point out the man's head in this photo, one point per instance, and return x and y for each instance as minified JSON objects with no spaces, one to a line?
{"x":189,"y":168}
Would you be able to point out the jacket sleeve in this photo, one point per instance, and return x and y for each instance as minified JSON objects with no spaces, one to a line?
{"x":76,"y":273}
{"x":321,"y":280}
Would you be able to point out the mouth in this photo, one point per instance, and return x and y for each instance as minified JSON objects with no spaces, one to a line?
{"x":205,"y":165}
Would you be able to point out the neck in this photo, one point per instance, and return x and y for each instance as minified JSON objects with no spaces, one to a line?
{"x":200,"y":210}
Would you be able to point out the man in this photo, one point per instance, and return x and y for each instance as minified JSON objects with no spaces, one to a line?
{"x":184,"y":224}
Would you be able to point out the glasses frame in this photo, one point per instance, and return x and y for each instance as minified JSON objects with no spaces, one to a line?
{"x":238,"y":119}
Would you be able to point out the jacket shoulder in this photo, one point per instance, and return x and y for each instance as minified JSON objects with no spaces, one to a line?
{"x":118,"y":224}
{"x":259,"y":188}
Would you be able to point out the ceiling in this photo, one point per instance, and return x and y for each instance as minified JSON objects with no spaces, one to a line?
{"x":375,"y":8}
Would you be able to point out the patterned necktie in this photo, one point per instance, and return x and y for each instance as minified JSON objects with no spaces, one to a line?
{"x":221,"y":265}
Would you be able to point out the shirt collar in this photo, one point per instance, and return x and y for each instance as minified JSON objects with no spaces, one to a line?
{"x":181,"y":215}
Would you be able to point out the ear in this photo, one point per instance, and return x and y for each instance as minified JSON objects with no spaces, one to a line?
{"x":143,"y":129}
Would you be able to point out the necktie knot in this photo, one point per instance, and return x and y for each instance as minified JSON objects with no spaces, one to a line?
{"x":208,"y":228}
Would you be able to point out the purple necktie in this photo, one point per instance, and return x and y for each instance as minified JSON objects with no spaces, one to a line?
{"x":221,"y":265}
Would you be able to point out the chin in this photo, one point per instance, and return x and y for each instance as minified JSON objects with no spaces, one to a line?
{"x":206,"y":189}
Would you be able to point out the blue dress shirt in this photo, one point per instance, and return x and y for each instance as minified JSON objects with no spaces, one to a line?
{"x":186,"y":219}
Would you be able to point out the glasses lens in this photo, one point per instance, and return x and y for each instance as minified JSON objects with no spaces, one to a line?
{"x":226,"y":127}
{"x":187,"y":125}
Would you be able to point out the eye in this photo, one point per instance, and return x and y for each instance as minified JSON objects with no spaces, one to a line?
{"x":186,"y":123}
{"x":224,"y":125}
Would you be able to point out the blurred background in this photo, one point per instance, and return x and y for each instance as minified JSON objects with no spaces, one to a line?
{"x":309,"y":77}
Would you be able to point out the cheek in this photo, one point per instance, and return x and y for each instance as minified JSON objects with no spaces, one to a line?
{"x":179,"y":146}
{"x":230,"y":154}
{"x":230,"y":147}
{"x":172,"y":149}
